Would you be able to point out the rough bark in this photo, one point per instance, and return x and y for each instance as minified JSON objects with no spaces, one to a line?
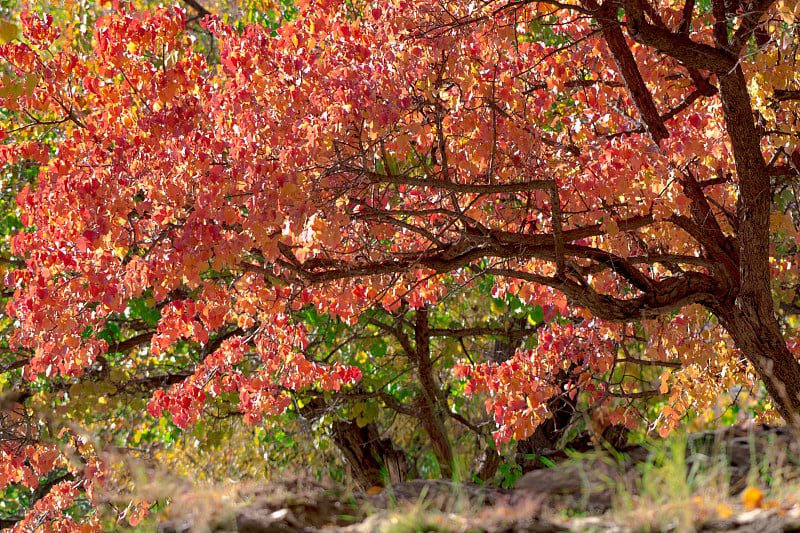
{"x":764,"y":346}
{"x":629,"y":70}
{"x":742,"y":300}
{"x":751,"y":319}
{"x":373,"y":461}
{"x":428,"y":400}
{"x":747,"y":309}
{"x":735,"y":281}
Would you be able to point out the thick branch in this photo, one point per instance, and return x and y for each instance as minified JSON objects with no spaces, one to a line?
{"x":194,"y":4}
{"x":666,"y":296}
{"x":131,"y":343}
{"x":626,"y":65}
{"x":754,"y":201}
{"x":558,"y":232}
{"x":784,"y":95}
{"x":647,"y":362}
{"x":676,"y":45}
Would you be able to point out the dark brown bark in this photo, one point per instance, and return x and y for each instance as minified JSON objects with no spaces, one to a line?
{"x":626,"y":65}
{"x":681,"y":47}
{"x":751,"y":319}
{"x":198,"y":7}
{"x":783,"y":95}
{"x":547,"y":435}
{"x":765,"y":348}
{"x":734,"y":282}
{"x":742,"y":302}
{"x":374,"y":462}
{"x":428,"y":400}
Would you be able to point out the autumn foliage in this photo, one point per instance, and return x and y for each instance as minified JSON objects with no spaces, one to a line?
{"x":628,"y":167}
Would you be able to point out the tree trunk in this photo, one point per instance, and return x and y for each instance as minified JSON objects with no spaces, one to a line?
{"x":546,"y":436}
{"x":488,"y":462}
{"x":373,"y":461}
{"x":764,"y":346}
{"x":428,"y":401}
{"x":751,"y":319}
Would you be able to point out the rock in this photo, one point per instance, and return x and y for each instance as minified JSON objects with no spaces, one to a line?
{"x":589,"y":484}
{"x":755,"y":521}
{"x":254,"y":519}
{"x":442,"y":494}
{"x":294,"y":504}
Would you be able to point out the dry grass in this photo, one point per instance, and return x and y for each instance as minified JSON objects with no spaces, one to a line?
{"x":670,"y":491}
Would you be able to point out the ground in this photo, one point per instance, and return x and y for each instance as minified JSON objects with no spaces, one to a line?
{"x":742,"y":478}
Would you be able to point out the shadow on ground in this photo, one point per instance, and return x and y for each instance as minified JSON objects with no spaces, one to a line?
{"x":741,"y":478}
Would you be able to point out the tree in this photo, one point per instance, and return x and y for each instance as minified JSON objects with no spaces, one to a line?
{"x":635,"y":166}
{"x":33,"y":494}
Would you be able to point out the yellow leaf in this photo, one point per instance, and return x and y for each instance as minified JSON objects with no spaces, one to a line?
{"x":752,"y":498}
{"x":664,"y":388}
{"x":30,"y":84}
{"x":8,"y":32}
{"x":375,"y":489}
{"x":497,"y":307}
{"x":612,"y":228}
{"x":782,"y":222}
{"x":724,"y":511}
{"x":786,"y":10}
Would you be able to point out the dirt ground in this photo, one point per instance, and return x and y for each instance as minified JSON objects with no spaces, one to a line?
{"x":743,"y":479}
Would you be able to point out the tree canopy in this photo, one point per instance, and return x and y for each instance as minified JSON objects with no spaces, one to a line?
{"x":514,"y":202}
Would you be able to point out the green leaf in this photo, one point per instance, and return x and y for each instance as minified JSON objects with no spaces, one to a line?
{"x":143,"y":309}
{"x":498,"y":307}
{"x":379,"y":349}
{"x":371,"y":412}
{"x":537,"y":315}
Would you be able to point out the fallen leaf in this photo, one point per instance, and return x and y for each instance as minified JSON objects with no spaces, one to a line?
{"x":752,"y":498}
{"x":724,"y":511}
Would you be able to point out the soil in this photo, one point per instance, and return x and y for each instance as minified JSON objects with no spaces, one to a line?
{"x":720,"y":486}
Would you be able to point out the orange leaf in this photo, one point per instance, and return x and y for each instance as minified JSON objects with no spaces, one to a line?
{"x":724,"y":511}
{"x":752,"y":498}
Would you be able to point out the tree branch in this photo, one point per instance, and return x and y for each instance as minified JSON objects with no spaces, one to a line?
{"x":628,"y":69}
{"x":676,"y":45}
{"x":749,"y":24}
{"x":201,"y":11}
{"x":400,"y":179}
{"x":666,"y":296}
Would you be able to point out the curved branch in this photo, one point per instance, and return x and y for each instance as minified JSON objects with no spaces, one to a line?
{"x":666,"y":296}
{"x":676,"y":45}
